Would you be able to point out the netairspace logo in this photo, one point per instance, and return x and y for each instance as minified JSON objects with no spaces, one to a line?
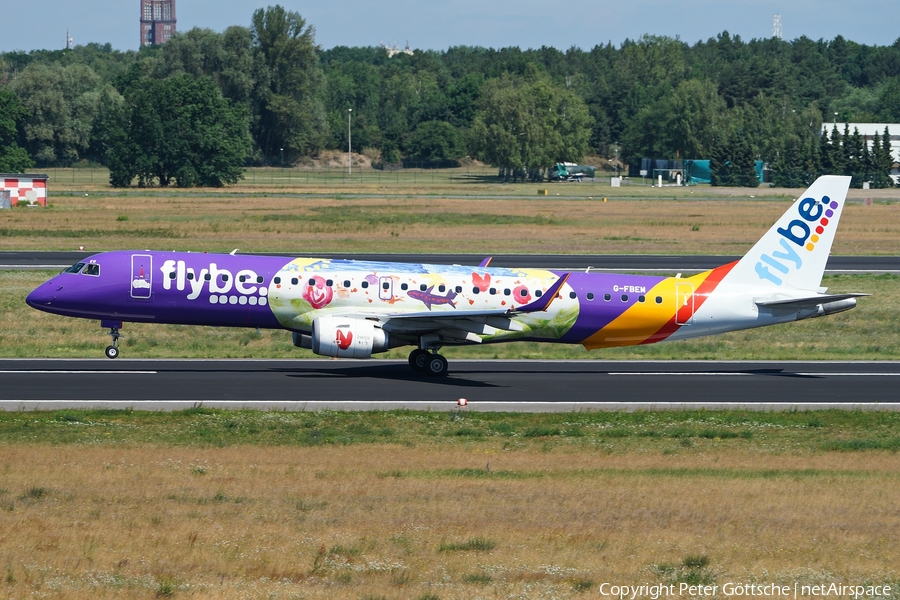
{"x":223,"y":286}
{"x":743,"y":590}
{"x":799,"y":232}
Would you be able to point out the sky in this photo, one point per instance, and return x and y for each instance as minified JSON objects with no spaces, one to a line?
{"x":42,"y":24}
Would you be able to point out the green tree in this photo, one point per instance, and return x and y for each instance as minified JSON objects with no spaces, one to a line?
{"x":733,"y":162}
{"x":787,"y":169}
{"x":62,"y":104}
{"x":881,"y":161}
{"x":856,"y":159}
{"x":435,"y":141}
{"x":889,"y":100}
{"x":180,"y":130}
{"x":13,"y":158}
{"x":527,"y":122}
{"x":684,"y":122}
{"x":290,"y":112}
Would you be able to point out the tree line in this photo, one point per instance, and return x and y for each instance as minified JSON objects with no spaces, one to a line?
{"x":199,"y":108}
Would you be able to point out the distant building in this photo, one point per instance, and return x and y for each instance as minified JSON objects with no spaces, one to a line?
{"x":394,"y":49}
{"x":24,"y":187}
{"x":157,"y":21}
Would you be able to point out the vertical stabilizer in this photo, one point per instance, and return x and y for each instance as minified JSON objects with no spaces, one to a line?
{"x":794,"y":251}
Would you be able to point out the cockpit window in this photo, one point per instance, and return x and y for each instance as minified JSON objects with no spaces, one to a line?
{"x":74,"y":268}
{"x":91,"y":269}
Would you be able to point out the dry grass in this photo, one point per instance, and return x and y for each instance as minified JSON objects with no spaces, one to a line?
{"x":473,"y":217}
{"x":399,"y":522}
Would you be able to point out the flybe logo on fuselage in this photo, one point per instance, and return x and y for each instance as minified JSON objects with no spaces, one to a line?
{"x":224,"y":286}
{"x":803,"y":233}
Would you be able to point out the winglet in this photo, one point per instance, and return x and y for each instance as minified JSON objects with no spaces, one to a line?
{"x":544,"y":302}
{"x":486,"y":261}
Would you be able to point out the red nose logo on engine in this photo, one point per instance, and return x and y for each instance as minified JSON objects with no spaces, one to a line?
{"x":343,"y":340}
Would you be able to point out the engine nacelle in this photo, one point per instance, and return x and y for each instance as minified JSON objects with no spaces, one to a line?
{"x":347,"y":337}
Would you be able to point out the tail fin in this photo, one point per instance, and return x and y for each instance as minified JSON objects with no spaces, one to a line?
{"x":794,"y":251}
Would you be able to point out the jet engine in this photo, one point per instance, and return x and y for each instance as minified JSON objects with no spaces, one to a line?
{"x":344,"y":337}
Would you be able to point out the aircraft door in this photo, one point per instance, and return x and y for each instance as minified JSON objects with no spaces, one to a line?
{"x":684,"y":303}
{"x":386,"y":288}
{"x":141,"y":276}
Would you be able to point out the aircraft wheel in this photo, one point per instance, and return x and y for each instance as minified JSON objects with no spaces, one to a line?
{"x":436,"y":365}
{"x":112,"y":352}
{"x":417,"y":359}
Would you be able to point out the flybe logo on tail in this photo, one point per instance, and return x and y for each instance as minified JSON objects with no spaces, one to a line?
{"x":803,"y":233}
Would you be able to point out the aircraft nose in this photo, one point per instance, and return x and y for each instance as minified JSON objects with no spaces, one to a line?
{"x":43,"y":295}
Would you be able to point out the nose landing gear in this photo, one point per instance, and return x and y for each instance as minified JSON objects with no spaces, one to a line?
{"x":431,"y":363}
{"x":112,"y":351}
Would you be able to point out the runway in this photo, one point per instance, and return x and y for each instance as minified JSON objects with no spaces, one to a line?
{"x":495,"y":385}
{"x":635,"y":263}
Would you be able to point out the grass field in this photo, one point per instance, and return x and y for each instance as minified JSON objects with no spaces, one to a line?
{"x":215,"y":504}
{"x":869,"y":332}
{"x":458,"y":213}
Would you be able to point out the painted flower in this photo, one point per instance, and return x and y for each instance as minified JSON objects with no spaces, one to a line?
{"x":521,"y":294}
{"x":318,"y":295}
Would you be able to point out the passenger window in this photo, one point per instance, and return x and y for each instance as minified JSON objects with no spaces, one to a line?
{"x":74,"y":268}
{"x":423,"y":287}
{"x":641,"y":298}
{"x":493,"y":291}
{"x":190,"y":276}
{"x":442,"y":288}
{"x":259,"y":279}
{"x":312,"y":281}
{"x":506,"y":292}
{"x":294,"y":281}
{"x":659,"y":299}
{"x":607,"y":297}
{"x":171,"y":273}
{"x":329,"y":282}
{"x":573,"y":295}
{"x":365,"y":284}
{"x":224,"y":277}
{"x":277,"y":280}
{"x":624,"y":297}
{"x":346,"y":283}
{"x":385,"y":286}
{"x":475,"y":290}
{"x":207,"y":276}
{"x":404,"y":287}
{"x":590,"y":295}
{"x":538,"y":293}
{"x":93,"y":269}
{"x":523,"y":292}
{"x":459,"y":289}
{"x":242,"y":278}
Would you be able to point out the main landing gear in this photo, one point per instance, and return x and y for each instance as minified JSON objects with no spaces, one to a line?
{"x":431,"y":363}
{"x":112,"y":351}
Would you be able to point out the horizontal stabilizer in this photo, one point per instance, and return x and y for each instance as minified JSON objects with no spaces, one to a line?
{"x":809,"y":302}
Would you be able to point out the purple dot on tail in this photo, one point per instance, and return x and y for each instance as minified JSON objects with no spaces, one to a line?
{"x":833,"y":204}
{"x":829,"y":213}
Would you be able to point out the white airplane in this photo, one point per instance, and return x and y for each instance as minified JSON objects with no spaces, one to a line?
{"x":353,"y":309}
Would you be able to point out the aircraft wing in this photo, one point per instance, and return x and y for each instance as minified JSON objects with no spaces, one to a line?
{"x":465,"y":325}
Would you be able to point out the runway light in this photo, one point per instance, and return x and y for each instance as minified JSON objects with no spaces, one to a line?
{"x":462,"y":402}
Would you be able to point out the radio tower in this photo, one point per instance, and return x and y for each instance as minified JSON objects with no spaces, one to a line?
{"x":776,"y":26}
